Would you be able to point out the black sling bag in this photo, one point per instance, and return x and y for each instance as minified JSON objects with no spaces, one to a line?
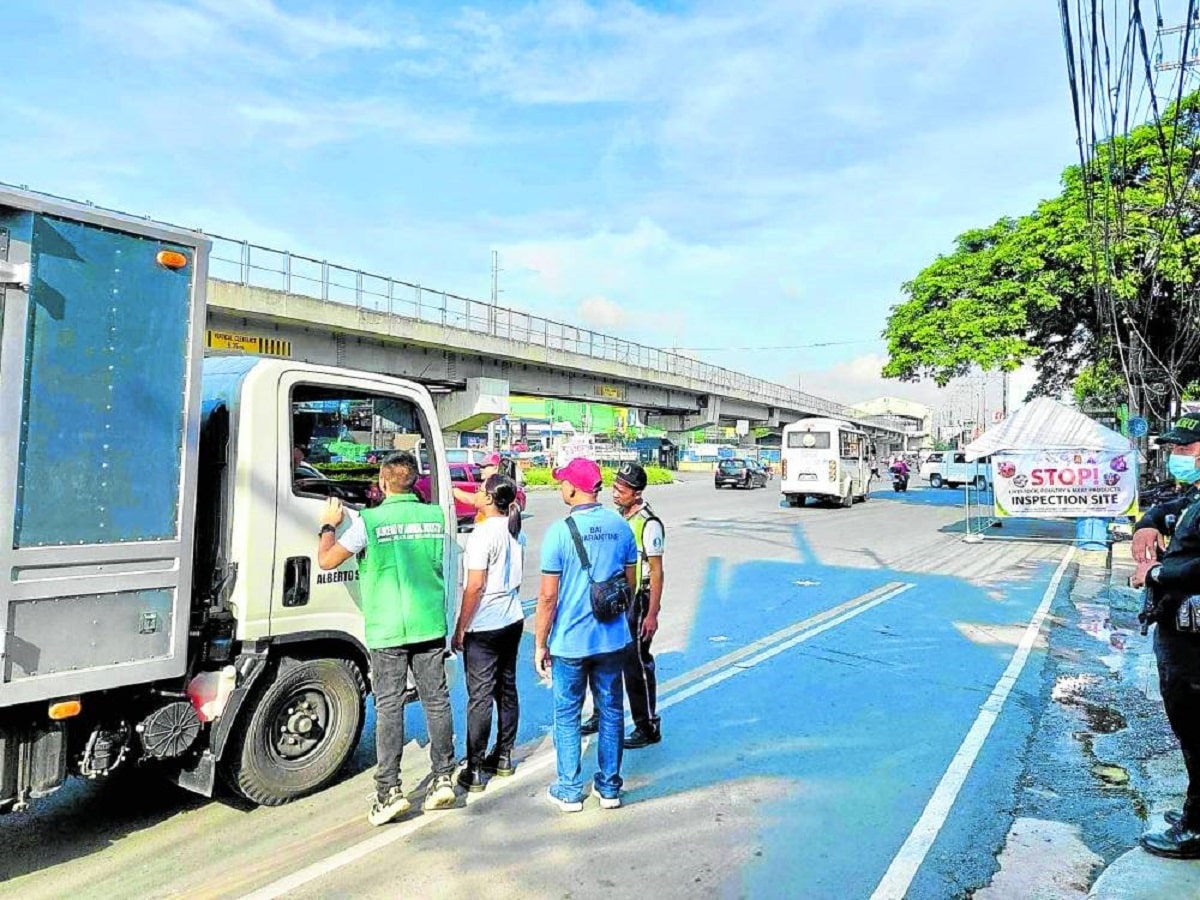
{"x":610,"y":597}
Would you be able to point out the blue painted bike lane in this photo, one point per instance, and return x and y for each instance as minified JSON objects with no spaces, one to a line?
{"x":857,"y":724}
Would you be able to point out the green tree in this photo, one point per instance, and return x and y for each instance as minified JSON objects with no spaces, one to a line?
{"x":1096,"y":286}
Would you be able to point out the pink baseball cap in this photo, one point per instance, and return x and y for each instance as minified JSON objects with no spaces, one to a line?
{"x":492,"y":459}
{"x":582,"y":474}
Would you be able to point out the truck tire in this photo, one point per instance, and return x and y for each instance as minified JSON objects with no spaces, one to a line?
{"x":935,"y":481}
{"x":848,"y":500}
{"x":303,"y":725}
{"x":981,"y":482}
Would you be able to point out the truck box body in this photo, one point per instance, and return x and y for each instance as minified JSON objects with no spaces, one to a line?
{"x":100,"y":355}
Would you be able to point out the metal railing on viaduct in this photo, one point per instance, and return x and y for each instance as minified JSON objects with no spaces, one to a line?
{"x":253,"y":265}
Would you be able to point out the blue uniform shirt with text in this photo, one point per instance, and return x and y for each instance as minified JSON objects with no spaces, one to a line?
{"x":610,"y":547}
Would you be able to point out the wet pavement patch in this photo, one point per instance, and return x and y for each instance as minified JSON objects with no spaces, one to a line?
{"x":1103,"y":719}
{"x":1109,"y":774}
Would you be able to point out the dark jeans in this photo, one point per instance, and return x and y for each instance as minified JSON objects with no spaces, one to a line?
{"x":641,"y":684}
{"x":1179,"y":679}
{"x":490,"y":658}
{"x":389,"y":675}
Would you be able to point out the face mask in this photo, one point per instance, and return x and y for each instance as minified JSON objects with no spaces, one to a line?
{"x":1183,"y":468}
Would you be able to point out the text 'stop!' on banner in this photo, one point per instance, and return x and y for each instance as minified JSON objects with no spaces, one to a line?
{"x":1054,"y":484}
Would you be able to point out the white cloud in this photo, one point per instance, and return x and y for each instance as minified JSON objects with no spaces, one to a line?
{"x":601,"y":313}
{"x":307,"y":35}
{"x":858,"y":379}
{"x":324,"y":121}
{"x":226,"y":32}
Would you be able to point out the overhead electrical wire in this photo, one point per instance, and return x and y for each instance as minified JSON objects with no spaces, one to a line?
{"x":1105,"y":109}
{"x":782,"y":347}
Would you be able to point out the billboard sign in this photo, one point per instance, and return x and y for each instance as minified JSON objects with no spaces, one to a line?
{"x":1074,"y":483}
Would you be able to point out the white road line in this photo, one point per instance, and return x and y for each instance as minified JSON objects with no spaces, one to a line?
{"x":735,"y":662}
{"x":727,"y":659}
{"x":740,"y":666}
{"x":903,"y":869}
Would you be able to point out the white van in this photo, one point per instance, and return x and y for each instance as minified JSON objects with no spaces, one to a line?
{"x":824,"y":458}
{"x":953,"y":470}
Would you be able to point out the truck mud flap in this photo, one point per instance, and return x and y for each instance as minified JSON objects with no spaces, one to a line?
{"x":198,"y":775}
{"x":33,"y":762}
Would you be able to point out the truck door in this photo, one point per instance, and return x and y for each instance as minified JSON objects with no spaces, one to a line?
{"x":333,"y":431}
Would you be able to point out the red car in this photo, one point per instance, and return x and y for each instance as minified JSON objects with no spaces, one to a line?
{"x":465,"y":476}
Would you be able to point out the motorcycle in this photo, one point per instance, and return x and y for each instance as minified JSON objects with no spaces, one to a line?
{"x":1154,"y":493}
{"x":899,"y":480}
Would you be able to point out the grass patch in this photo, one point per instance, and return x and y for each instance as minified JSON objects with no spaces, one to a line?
{"x":541,"y":475}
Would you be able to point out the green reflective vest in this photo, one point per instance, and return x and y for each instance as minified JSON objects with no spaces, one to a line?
{"x":401,"y":576}
{"x":641,"y":577}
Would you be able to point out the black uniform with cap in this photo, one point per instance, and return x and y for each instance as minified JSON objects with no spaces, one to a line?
{"x":641,"y":684}
{"x":1174,"y":581}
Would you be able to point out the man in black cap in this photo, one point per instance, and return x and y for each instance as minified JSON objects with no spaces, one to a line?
{"x":640,"y":682}
{"x":1172,"y":573}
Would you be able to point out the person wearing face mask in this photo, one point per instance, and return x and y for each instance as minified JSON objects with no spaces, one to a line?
{"x":1171,"y":571}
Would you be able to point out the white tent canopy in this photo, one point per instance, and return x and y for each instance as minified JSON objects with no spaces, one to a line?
{"x":1045,"y":424}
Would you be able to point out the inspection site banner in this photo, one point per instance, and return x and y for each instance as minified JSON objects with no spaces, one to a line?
{"x":1054,"y":484}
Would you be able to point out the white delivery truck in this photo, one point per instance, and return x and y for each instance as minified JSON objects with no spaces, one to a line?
{"x":159,"y":593}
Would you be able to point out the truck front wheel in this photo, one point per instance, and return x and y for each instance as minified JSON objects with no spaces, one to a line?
{"x":303,"y":727}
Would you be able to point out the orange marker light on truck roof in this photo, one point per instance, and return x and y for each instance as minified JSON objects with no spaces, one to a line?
{"x":65,"y":709}
{"x":171,"y":259}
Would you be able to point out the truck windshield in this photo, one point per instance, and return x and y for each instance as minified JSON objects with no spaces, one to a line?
{"x":809,"y":440}
{"x":343,"y":435}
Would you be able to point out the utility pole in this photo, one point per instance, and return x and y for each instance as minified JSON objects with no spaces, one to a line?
{"x":495,"y":278}
{"x":1187,"y":43}
{"x":495,"y":292}
{"x":1004,"y":395}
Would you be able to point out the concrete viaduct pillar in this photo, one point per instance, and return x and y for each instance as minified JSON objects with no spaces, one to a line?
{"x":482,"y":401}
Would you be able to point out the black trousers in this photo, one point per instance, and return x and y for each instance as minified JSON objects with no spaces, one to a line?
{"x":389,"y":678}
{"x":641,"y":684}
{"x":1179,"y":680}
{"x":490,"y":659}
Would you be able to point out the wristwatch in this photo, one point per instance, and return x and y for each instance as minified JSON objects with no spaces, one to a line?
{"x":326,"y":528}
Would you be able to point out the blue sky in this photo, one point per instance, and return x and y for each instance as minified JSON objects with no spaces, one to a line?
{"x":694,"y":174}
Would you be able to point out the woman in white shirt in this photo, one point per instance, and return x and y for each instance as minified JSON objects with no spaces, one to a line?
{"x":488,"y":632}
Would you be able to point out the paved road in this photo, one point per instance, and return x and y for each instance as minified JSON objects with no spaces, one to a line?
{"x":823,"y":670}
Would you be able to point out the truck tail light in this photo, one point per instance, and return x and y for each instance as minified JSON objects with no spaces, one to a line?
{"x":783,"y":469}
{"x":171,"y":259}
{"x":65,"y":709}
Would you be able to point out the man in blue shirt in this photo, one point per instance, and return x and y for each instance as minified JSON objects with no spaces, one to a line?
{"x":572,"y":648}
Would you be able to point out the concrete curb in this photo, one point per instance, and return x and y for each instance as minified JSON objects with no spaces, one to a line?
{"x":1139,"y":876}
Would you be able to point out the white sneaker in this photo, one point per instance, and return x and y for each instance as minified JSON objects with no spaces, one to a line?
{"x":384,"y":809}
{"x":610,"y":802}
{"x":441,"y":795}
{"x":570,"y":806}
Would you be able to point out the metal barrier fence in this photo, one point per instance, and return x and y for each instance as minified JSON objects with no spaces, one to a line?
{"x":252,"y":265}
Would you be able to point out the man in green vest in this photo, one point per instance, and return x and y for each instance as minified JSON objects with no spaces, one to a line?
{"x":404,"y":607}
